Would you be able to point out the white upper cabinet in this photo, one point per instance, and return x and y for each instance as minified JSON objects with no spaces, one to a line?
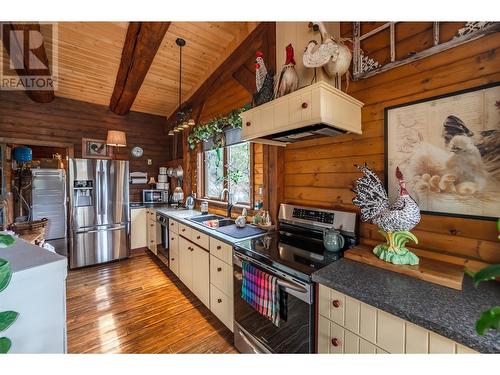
{"x":319,"y":103}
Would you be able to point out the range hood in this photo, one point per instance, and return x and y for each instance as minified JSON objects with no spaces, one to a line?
{"x":318,"y":110}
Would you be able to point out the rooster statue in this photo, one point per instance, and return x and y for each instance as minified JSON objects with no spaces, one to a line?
{"x":395,"y":221}
{"x":289,"y":79}
{"x":264,"y":82}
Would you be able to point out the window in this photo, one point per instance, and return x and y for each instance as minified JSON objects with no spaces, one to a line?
{"x":228,"y":167}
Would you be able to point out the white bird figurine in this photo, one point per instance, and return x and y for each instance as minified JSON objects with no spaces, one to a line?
{"x":289,"y":79}
{"x":316,"y":56}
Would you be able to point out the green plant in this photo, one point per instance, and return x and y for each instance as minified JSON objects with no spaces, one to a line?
{"x":215,"y":127}
{"x":7,"y":318}
{"x":489,"y":319}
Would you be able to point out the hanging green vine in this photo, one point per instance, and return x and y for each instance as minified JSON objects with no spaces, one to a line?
{"x":214,"y":128}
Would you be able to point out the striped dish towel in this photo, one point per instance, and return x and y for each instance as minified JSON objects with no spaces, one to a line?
{"x":261,"y":291}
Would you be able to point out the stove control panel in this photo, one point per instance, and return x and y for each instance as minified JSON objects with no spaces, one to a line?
{"x":313,"y":215}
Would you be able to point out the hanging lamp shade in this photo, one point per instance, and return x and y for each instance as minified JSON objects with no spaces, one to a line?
{"x":116,"y":138}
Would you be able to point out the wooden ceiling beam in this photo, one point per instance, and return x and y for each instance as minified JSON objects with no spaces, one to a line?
{"x":244,"y":53}
{"x":141,"y":44}
{"x":34,"y":62}
{"x":246,"y":78}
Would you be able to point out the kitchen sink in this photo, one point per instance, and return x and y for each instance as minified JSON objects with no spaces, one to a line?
{"x":212,"y":221}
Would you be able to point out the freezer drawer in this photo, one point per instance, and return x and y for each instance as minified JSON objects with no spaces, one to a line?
{"x":99,"y":245}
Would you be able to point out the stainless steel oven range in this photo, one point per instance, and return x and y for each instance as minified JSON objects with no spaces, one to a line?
{"x":291,"y":255}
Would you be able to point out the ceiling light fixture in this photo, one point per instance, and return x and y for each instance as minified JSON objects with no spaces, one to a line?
{"x":184,"y":119}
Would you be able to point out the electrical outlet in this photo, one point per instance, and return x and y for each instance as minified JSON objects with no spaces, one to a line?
{"x":150,"y":162}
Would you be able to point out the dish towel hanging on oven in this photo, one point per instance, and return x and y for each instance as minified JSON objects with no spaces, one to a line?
{"x":261,"y":291}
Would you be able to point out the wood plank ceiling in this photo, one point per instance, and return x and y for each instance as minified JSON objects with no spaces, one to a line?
{"x":90,"y":54}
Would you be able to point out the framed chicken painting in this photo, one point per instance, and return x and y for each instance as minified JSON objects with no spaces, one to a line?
{"x":448,"y":148}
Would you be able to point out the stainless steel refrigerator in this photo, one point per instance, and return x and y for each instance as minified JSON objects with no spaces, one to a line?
{"x":48,"y":200}
{"x":99,"y":211}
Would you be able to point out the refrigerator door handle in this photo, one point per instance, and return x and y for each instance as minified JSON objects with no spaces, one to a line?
{"x":106,"y":229}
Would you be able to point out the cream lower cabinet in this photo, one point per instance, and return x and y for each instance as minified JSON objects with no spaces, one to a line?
{"x":221,"y":281}
{"x":346,"y":325}
{"x":138,"y":229}
{"x":205,"y":265}
{"x":194,"y":271}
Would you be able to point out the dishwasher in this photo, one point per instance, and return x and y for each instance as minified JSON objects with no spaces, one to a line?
{"x":163,"y":221}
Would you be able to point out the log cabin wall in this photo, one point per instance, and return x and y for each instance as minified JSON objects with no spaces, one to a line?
{"x":68,"y":121}
{"x":321,"y":172}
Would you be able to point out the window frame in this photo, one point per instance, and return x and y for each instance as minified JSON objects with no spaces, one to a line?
{"x":202,"y":177}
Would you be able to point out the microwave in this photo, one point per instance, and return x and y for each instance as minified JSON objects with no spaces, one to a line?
{"x":155,"y":196}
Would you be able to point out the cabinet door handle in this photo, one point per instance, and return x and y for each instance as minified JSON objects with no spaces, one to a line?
{"x":172,"y":259}
{"x":183,"y":230}
{"x":335,"y":342}
{"x":336,"y":303}
{"x":198,"y":237}
{"x":248,"y":123}
{"x":219,"y":269}
{"x":219,"y":247}
{"x":219,"y":300}
{"x":305,"y":105}
{"x":172,"y":239}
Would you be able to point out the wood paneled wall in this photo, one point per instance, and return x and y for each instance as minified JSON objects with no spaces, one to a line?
{"x":67,"y":121}
{"x":321,"y":172}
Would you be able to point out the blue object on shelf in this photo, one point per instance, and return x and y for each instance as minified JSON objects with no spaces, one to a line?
{"x":22,"y":154}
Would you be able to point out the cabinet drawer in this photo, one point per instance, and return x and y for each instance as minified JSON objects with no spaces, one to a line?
{"x":330,"y":337}
{"x":331,"y":304}
{"x":221,"y":250}
{"x":185,"y":231}
{"x":173,"y":226}
{"x":390,"y":332}
{"x":221,"y":275}
{"x":201,"y":239}
{"x":222,"y":306}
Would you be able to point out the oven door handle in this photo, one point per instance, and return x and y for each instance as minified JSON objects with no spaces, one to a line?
{"x":281,"y":282}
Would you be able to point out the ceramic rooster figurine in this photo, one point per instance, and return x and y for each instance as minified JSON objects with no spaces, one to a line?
{"x":289,"y":79}
{"x":395,"y":221}
{"x":264,"y":82}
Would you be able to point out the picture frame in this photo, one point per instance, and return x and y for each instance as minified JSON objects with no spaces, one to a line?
{"x":96,"y":149}
{"x":448,"y":148}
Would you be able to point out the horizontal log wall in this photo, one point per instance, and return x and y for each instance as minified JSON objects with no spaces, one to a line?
{"x":68,"y":121}
{"x":321,"y":172}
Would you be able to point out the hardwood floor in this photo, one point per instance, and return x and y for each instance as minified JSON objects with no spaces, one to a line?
{"x":138,"y":306}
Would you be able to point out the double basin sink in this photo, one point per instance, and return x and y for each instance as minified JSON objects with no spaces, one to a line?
{"x":212,"y":221}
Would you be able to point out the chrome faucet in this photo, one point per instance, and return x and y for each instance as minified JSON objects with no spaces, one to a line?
{"x":229,"y":201}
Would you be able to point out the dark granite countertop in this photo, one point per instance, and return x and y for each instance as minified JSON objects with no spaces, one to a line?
{"x":448,"y":312}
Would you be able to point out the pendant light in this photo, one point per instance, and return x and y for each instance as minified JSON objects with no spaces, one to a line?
{"x":182,"y":121}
